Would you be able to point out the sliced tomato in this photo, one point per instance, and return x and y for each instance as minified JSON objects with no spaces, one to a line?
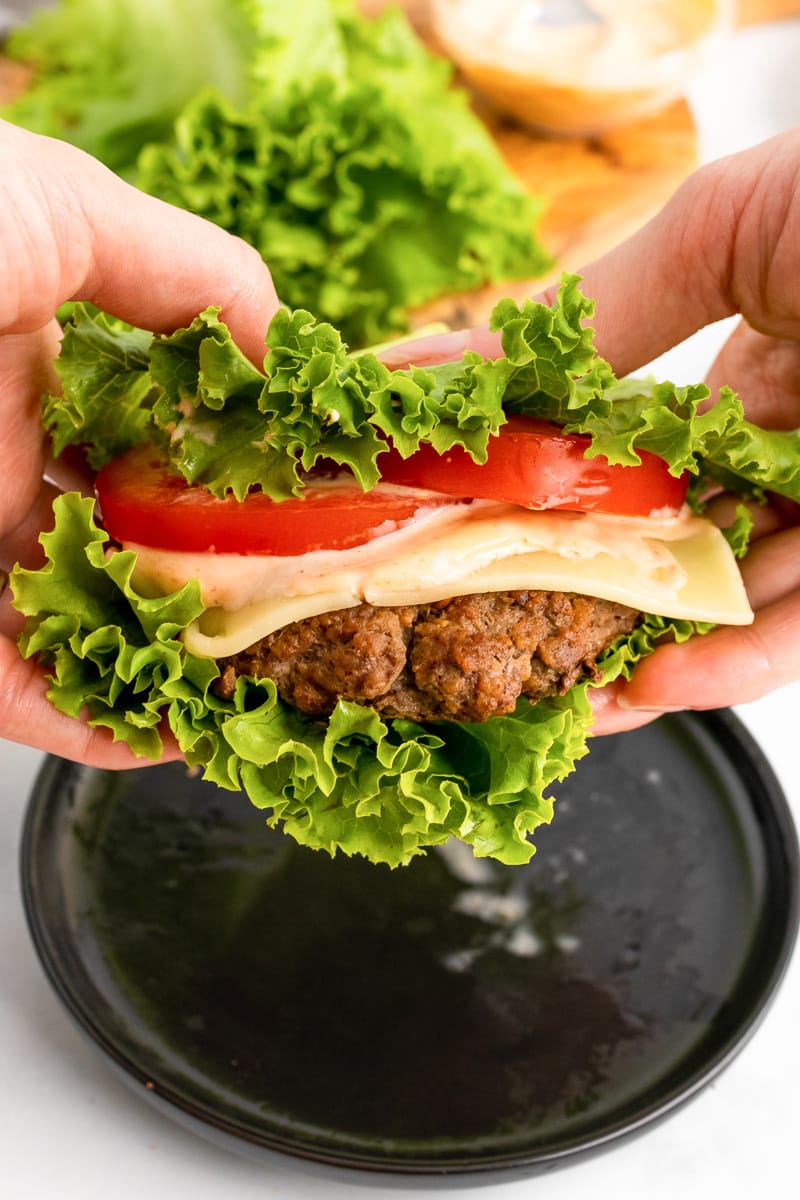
{"x":530,"y":463}
{"x":141,"y":501}
{"x":535,"y":464}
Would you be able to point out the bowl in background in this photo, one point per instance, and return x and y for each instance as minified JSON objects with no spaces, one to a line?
{"x":558,"y":72}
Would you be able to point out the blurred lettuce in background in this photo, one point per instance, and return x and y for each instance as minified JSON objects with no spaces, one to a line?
{"x":333,"y":143}
{"x":112,"y":77}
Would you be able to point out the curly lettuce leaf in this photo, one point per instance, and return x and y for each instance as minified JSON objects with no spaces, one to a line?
{"x":744,"y":458}
{"x":112,"y":77}
{"x":103,"y":648}
{"x":106,"y":387}
{"x":293,"y":43}
{"x":356,"y":785}
{"x":738,"y":533}
{"x":717,"y":444}
{"x":334,"y":144}
{"x":361,"y":176}
{"x":557,"y":373}
{"x":232,"y":427}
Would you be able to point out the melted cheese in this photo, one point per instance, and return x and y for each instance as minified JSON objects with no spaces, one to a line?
{"x":677,"y":567}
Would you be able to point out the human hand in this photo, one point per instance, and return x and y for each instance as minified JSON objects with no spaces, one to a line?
{"x":70,"y":229}
{"x":726,"y":243}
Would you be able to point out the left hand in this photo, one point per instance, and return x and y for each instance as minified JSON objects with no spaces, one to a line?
{"x":71,"y":230}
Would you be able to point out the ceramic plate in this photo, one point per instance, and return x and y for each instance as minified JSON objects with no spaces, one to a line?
{"x":446,"y":1019}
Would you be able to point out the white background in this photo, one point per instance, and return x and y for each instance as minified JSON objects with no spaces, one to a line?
{"x":70,"y":1129}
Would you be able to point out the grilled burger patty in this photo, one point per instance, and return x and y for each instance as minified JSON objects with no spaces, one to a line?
{"x":464,"y":659}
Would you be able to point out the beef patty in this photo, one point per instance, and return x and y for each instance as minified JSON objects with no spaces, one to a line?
{"x":463,"y":659}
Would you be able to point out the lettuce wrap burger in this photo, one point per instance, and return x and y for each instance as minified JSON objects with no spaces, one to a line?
{"x":374,"y":600}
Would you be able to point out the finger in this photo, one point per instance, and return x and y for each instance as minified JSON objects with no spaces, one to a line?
{"x":25,"y":373}
{"x":712,"y":251}
{"x":609,"y":717}
{"x":21,"y":544}
{"x":96,"y":238}
{"x":442,"y":347}
{"x":11,"y":621}
{"x":640,"y":310}
{"x":730,"y":665}
{"x":771,"y":568}
{"x":767,"y":518}
{"x":161,"y":266}
{"x":766,"y":370}
{"x":27,"y":716}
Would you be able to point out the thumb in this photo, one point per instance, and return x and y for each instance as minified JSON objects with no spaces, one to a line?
{"x":727,"y":666}
{"x":715,"y":249}
{"x":711,"y":252}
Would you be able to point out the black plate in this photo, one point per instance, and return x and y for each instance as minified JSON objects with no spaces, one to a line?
{"x":453,"y":1017}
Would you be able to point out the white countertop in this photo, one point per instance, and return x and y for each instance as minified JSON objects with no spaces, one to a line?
{"x":71,"y":1129}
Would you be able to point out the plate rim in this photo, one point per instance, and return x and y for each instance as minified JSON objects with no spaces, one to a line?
{"x":724,"y":727}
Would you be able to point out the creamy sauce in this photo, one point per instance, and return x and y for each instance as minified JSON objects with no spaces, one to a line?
{"x":680,"y":567}
{"x":621,"y":50}
{"x":565,"y":75}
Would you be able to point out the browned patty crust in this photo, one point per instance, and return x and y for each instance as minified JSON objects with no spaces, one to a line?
{"x":463,"y":659}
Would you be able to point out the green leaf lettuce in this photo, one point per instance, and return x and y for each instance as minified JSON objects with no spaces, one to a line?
{"x":231,"y":426}
{"x":333,"y":143}
{"x":360,"y":785}
{"x":112,"y":77}
{"x":356,"y":784}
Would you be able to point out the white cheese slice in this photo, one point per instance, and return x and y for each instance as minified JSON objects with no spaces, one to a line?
{"x":677,"y":567}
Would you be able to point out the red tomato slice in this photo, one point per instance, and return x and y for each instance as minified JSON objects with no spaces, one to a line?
{"x":535,"y":464}
{"x":141,"y":501}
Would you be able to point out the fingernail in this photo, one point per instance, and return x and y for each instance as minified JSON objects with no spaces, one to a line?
{"x":654,"y":708}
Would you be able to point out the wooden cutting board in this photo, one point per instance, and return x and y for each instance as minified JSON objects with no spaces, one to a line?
{"x":751,"y":11}
{"x":596,"y":193}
